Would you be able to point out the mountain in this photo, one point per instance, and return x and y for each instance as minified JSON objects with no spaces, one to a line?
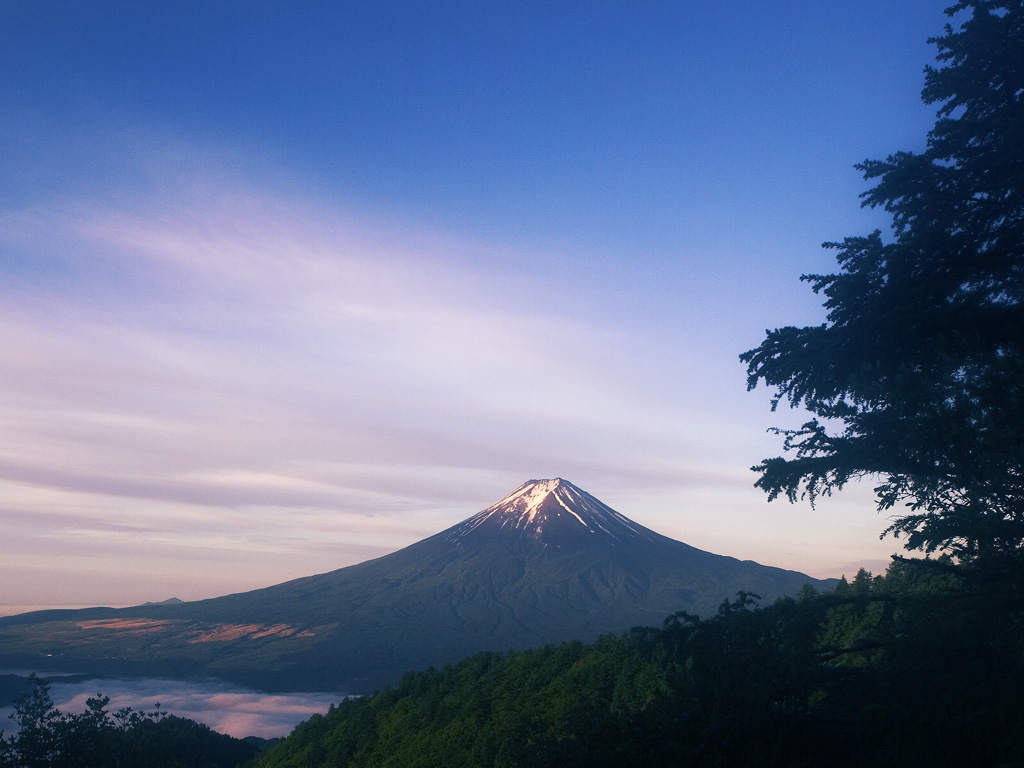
{"x":547,"y":563}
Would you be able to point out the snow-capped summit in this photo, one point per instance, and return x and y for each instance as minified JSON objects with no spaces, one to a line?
{"x":553,"y":511}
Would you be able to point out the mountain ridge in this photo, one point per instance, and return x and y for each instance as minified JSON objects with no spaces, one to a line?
{"x":547,"y":563}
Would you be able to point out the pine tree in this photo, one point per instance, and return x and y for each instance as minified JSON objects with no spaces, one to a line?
{"x":917,"y":377}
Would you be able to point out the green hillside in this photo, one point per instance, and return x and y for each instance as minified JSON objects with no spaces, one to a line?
{"x":921,"y":667}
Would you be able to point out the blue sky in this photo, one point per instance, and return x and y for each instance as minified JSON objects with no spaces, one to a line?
{"x":285,"y":288}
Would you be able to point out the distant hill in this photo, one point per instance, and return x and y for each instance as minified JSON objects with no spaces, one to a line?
{"x":547,"y":563}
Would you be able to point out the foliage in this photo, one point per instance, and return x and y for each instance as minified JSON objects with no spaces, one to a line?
{"x":97,"y":738}
{"x":916,"y":377}
{"x":561,"y":705}
{"x":857,"y":676}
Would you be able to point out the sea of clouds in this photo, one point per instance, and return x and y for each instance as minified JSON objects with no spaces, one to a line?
{"x":224,"y":707}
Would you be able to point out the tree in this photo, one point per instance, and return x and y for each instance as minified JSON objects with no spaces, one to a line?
{"x":37,"y":743}
{"x":916,"y":378}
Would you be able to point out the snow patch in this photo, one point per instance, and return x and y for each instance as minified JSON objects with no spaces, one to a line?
{"x":522,"y":511}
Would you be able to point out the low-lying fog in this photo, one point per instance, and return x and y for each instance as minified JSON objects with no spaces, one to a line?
{"x":224,"y":707}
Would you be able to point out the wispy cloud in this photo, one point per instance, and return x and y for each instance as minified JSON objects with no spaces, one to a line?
{"x":246,"y":373}
{"x":215,"y":371}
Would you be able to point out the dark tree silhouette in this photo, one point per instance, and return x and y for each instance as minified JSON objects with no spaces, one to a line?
{"x":916,"y":378}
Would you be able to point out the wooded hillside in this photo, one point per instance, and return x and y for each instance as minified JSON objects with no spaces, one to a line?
{"x":920,"y":667}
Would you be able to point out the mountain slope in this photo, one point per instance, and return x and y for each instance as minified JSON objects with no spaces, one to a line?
{"x":547,"y":563}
